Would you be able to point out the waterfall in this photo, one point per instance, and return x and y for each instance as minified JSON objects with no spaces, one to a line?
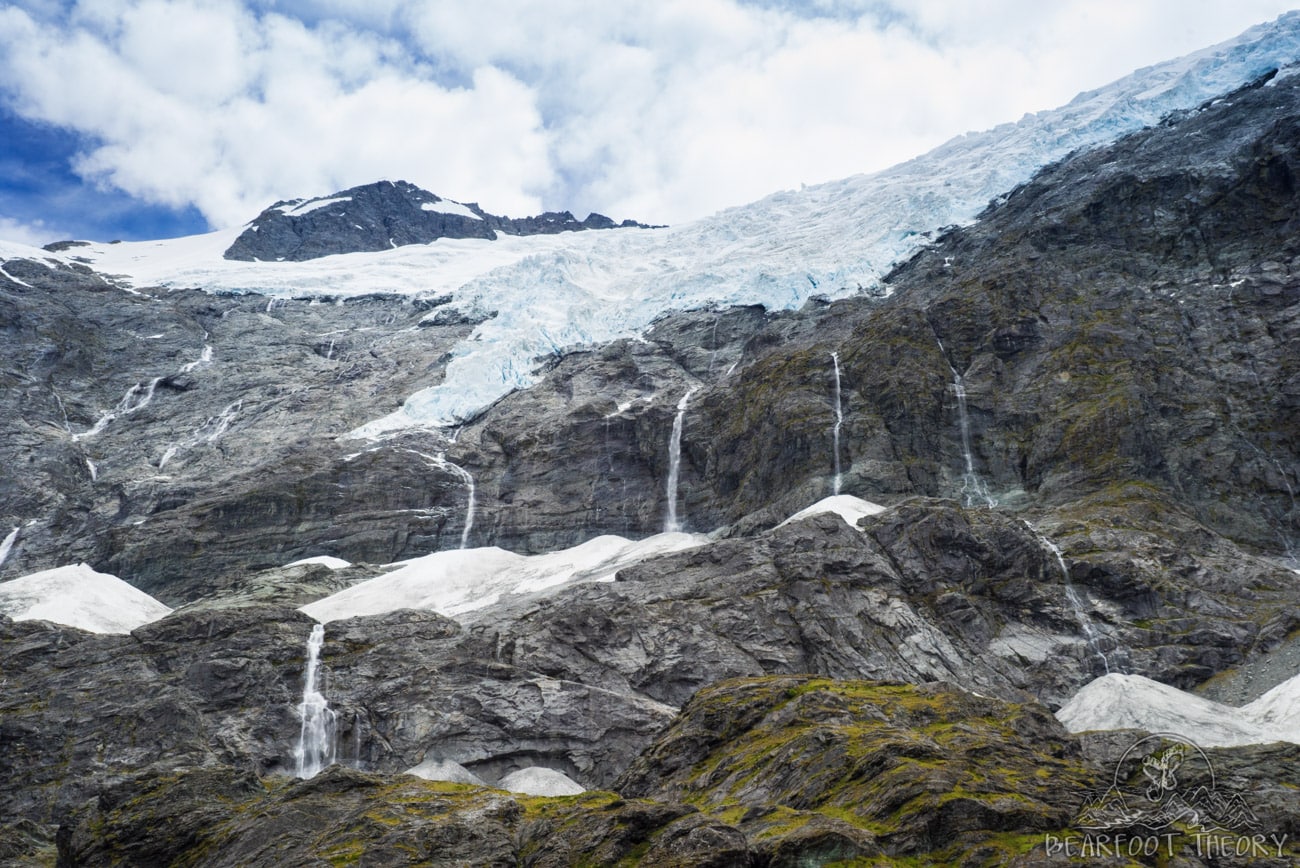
{"x":470,"y":499}
{"x":8,"y":544}
{"x":204,"y":358}
{"x":1090,"y":631}
{"x":209,"y":432}
{"x":315,"y":748}
{"x":67,"y":426}
{"x":973,"y":489}
{"x":839,"y":421}
{"x":358,"y":724}
{"x":137,"y":397}
{"x":713,"y":343}
{"x":671,"y":522}
{"x":471,"y":502}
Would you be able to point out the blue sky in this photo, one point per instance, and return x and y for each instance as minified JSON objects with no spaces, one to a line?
{"x":38,"y":187}
{"x":151,"y":118}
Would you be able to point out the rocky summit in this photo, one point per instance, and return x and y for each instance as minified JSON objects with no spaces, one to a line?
{"x":384,"y":215}
{"x":755,"y":586}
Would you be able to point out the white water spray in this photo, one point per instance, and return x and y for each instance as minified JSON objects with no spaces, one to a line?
{"x":136,"y":398}
{"x":316,"y":739}
{"x":1090,"y":631}
{"x":470,"y":504}
{"x":207,"y":433}
{"x":8,"y":544}
{"x":67,"y":426}
{"x":974,"y":492}
{"x":471,"y":501}
{"x":204,"y":358}
{"x":713,"y":348}
{"x":671,"y":522}
{"x":839,"y":421}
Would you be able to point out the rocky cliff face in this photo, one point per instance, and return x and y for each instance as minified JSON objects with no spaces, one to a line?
{"x":1081,"y":412}
{"x":755,"y":772}
{"x":383,"y":215}
{"x":1127,"y":316}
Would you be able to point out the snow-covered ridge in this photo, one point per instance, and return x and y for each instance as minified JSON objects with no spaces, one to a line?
{"x":78,"y":596}
{"x":559,"y":291}
{"x":1134,"y":702}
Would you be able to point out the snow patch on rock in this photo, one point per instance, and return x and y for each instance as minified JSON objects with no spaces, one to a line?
{"x":540,"y":781}
{"x":846,"y":506}
{"x":78,"y":596}
{"x":324,"y":560}
{"x":462,"y":580}
{"x":445,"y":770}
{"x":1134,"y":702}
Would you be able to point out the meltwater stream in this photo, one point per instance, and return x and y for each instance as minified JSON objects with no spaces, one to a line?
{"x":839,"y":422}
{"x":441,"y":461}
{"x":136,"y":398}
{"x":316,"y":737}
{"x":974,"y":491}
{"x":1091,"y":634}
{"x":8,"y":544}
{"x":671,"y":522}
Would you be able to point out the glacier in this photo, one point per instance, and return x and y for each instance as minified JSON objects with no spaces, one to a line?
{"x":554,"y":293}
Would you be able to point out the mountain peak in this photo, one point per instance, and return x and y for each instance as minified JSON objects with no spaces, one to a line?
{"x":386,"y":214}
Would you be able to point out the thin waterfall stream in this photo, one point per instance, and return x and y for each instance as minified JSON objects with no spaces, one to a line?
{"x":974,"y":491}
{"x":316,"y":736}
{"x":839,"y":422}
{"x":1092,"y":635}
{"x":672,"y":524}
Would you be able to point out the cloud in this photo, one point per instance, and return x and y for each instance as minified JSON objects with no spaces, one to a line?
{"x":677,"y":108}
{"x":204,"y":102}
{"x":35,"y":234}
{"x":659,"y":111}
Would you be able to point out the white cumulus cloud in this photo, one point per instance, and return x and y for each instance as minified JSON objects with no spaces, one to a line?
{"x":661,"y":111}
{"x":203,"y":102}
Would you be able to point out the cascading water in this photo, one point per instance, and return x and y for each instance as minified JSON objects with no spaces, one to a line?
{"x":1090,"y":632}
{"x":316,"y":738}
{"x":136,"y":398}
{"x":973,"y":489}
{"x":839,"y":421}
{"x":209,"y":432}
{"x":204,"y":358}
{"x":471,"y":501}
{"x":67,"y":425}
{"x":358,"y":728}
{"x":671,"y":522}
{"x":974,"y":492}
{"x":7,"y":546}
{"x":713,"y":349}
{"x":470,"y":505}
